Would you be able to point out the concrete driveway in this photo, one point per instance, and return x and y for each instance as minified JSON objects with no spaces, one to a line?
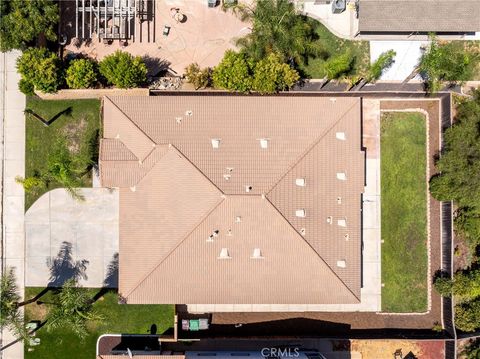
{"x":68,"y":238}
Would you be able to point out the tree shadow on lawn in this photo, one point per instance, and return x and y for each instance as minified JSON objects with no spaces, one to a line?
{"x":66,"y":112}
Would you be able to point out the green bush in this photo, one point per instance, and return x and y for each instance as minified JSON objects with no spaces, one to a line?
{"x":272,"y":75}
{"x":443,"y":286}
{"x":26,"y":87}
{"x":234,"y":72}
{"x":40,"y":68}
{"x":384,"y":61}
{"x":81,"y":74}
{"x":467,"y":316}
{"x":200,"y":78}
{"x":339,"y":65}
{"x":123,"y":70}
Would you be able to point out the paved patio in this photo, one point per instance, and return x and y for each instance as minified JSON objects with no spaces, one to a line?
{"x":203,"y":37}
{"x":68,"y":238}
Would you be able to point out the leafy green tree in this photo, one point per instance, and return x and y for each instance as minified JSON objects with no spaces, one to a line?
{"x":123,"y":70}
{"x":72,"y":308}
{"x":234,"y":72}
{"x":384,"y":61}
{"x":272,"y":75}
{"x":31,"y":184}
{"x":200,"y":78}
{"x":22,"y":21}
{"x":465,"y":285}
{"x":339,"y":65}
{"x":447,"y":61}
{"x":26,"y":87}
{"x":276,"y":27}
{"x":467,"y":316}
{"x":472,"y":350}
{"x":11,"y":317}
{"x":39,"y":68}
{"x":81,"y":74}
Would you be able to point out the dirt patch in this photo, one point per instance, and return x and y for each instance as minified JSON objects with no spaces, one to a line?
{"x":462,"y":255}
{"x":36,"y":311}
{"x":73,"y":133}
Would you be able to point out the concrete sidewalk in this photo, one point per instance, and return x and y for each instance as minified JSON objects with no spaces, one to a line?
{"x":12,"y":120}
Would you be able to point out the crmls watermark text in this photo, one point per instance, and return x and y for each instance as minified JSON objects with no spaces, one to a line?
{"x":280,"y":353}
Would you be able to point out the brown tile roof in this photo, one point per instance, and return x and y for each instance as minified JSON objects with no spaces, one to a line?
{"x":186,"y":190}
{"x":421,"y":16}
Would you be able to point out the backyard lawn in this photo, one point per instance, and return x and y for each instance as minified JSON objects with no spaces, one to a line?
{"x":77,"y":122}
{"x":404,"y":212}
{"x":118,"y":318}
{"x":334,"y":46}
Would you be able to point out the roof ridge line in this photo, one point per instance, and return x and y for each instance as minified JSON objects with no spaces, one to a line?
{"x":175,"y":248}
{"x":309,"y":149}
{"x":128,"y":117}
{"x":311,"y":247}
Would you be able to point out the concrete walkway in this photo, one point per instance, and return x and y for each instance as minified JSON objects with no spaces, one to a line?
{"x":12,"y":104}
{"x":68,"y":238}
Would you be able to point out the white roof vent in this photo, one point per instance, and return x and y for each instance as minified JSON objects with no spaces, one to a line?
{"x":227,"y":177}
{"x":229,"y":169}
{"x":341,"y":264}
{"x":342,"y":222}
{"x":215,"y":142}
{"x":229,"y":232}
{"x":346,"y":236}
{"x":339,"y":200}
{"x":224,"y":254}
{"x":300,"y":213}
{"x":333,"y":99}
{"x":215,"y":233}
{"x":178,"y":120}
{"x":329,"y":219}
{"x":264,"y":143}
{"x":210,"y":238}
{"x":300,"y":182}
{"x":248,"y":188}
{"x":188,"y":113}
{"x":257,"y":254}
{"x":341,"y":176}
{"x":302,"y":231}
{"x":340,"y":136}
{"x":238,"y":219}
{"x":133,"y":189}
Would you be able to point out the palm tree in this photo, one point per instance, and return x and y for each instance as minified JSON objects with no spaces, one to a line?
{"x":72,"y":308}
{"x":277,"y":28}
{"x":10,"y":315}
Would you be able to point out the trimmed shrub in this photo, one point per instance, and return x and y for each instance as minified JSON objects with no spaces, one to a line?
{"x":123,"y":70}
{"x":200,"y":78}
{"x":81,"y":74}
{"x":40,"y":68}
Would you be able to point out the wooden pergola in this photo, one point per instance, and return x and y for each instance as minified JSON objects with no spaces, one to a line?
{"x":110,"y":19}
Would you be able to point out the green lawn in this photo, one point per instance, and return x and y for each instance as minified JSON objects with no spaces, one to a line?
{"x":404,"y":212}
{"x":333,"y":46}
{"x":76,"y":121}
{"x":118,"y":318}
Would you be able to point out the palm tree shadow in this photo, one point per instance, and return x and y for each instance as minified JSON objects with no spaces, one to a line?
{"x":110,"y":283}
{"x":64,"y":267}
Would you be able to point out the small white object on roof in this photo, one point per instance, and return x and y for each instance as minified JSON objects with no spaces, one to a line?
{"x":339,"y":200}
{"x":257,"y":254}
{"x":300,"y":182}
{"x":329,"y":219}
{"x":302,"y":231}
{"x":210,"y":238}
{"x":227,"y":177}
{"x":342,"y":222}
{"x":178,"y":120}
{"x":229,"y":232}
{"x":346,"y":236}
{"x":248,"y":188}
{"x":238,"y":219}
{"x":264,"y":143}
{"x":133,"y":189}
{"x":341,"y":264}
{"x":340,"y":136}
{"x":188,"y":113}
{"x":215,"y":233}
{"x":341,"y":176}
{"x":229,"y":169}
{"x":224,"y":254}
{"x":215,"y":142}
{"x":300,"y":213}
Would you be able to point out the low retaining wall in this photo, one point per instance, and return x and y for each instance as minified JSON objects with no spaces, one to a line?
{"x":92,"y":93}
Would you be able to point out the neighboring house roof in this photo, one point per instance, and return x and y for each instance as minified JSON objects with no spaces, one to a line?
{"x":209,"y":225}
{"x":419,"y":16}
